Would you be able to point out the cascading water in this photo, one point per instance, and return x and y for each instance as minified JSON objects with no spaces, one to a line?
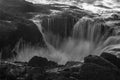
{"x":90,"y":36}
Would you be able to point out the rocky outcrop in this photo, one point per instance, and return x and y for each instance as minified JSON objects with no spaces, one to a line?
{"x":111,"y":58}
{"x":91,"y":71}
{"x":41,"y":63}
{"x":93,"y":68}
{"x":99,"y":61}
{"x":13,"y":29}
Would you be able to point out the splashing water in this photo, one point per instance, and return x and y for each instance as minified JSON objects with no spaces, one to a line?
{"x":90,"y":36}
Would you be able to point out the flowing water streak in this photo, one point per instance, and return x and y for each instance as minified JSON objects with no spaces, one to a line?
{"x":54,"y":54}
{"x":87,"y":39}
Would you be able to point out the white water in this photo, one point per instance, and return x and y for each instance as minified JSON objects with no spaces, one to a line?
{"x":90,"y":5}
{"x":87,"y":38}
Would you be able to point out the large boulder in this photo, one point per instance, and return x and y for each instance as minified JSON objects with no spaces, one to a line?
{"x":41,"y":63}
{"x":112,"y":58}
{"x":99,"y":61}
{"x":91,"y":71}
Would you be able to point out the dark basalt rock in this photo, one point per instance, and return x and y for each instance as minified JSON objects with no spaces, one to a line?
{"x":99,"y":61}
{"x":112,"y":58}
{"x":41,"y":63}
{"x":35,"y":74}
{"x":91,"y":71}
{"x":59,"y":24}
{"x":13,"y":29}
{"x":11,"y":71}
{"x":94,"y":68}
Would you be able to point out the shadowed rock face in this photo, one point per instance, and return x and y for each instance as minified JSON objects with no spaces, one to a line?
{"x":17,"y":7}
{"x":60,"y":24}
{"x":112,"y":58}
{"x":94,"y":68}
{"x":92,"y":71}
{"x":22,"y":8}
{"x":13,"y":29}
{"x":99,"y":61}
{"x":58,"y":27}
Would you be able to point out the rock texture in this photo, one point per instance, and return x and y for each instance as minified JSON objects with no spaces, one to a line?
{"x":13,"y":29}
{"x":94,"y":68}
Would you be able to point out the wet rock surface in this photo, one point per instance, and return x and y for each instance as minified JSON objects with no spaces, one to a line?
{"x":93,"y":68}
{"x":13,"y":30}
{"x":41,"y":62}
{"x":56,"y":20}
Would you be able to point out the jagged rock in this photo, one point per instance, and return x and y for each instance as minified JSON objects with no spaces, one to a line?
{"x":101,"y":30}
{"x":112,"y":58}
{"x":11,"y":71}
{"x":91,"y":71}
{"x":99,"y":61}
{"x":87,"y":71}
{"x":41,"y":63}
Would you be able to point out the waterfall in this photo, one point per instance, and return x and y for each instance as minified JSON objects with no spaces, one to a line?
{"x":97,"y":33}
{"x":92,"y":30}
{"x":90,"y":36}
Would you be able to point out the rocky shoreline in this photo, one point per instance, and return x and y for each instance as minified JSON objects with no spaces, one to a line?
{"x":103,"y":67}
{"x":59,"y":22}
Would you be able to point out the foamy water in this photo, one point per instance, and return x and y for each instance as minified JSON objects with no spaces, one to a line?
{"x":90,"y":5}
